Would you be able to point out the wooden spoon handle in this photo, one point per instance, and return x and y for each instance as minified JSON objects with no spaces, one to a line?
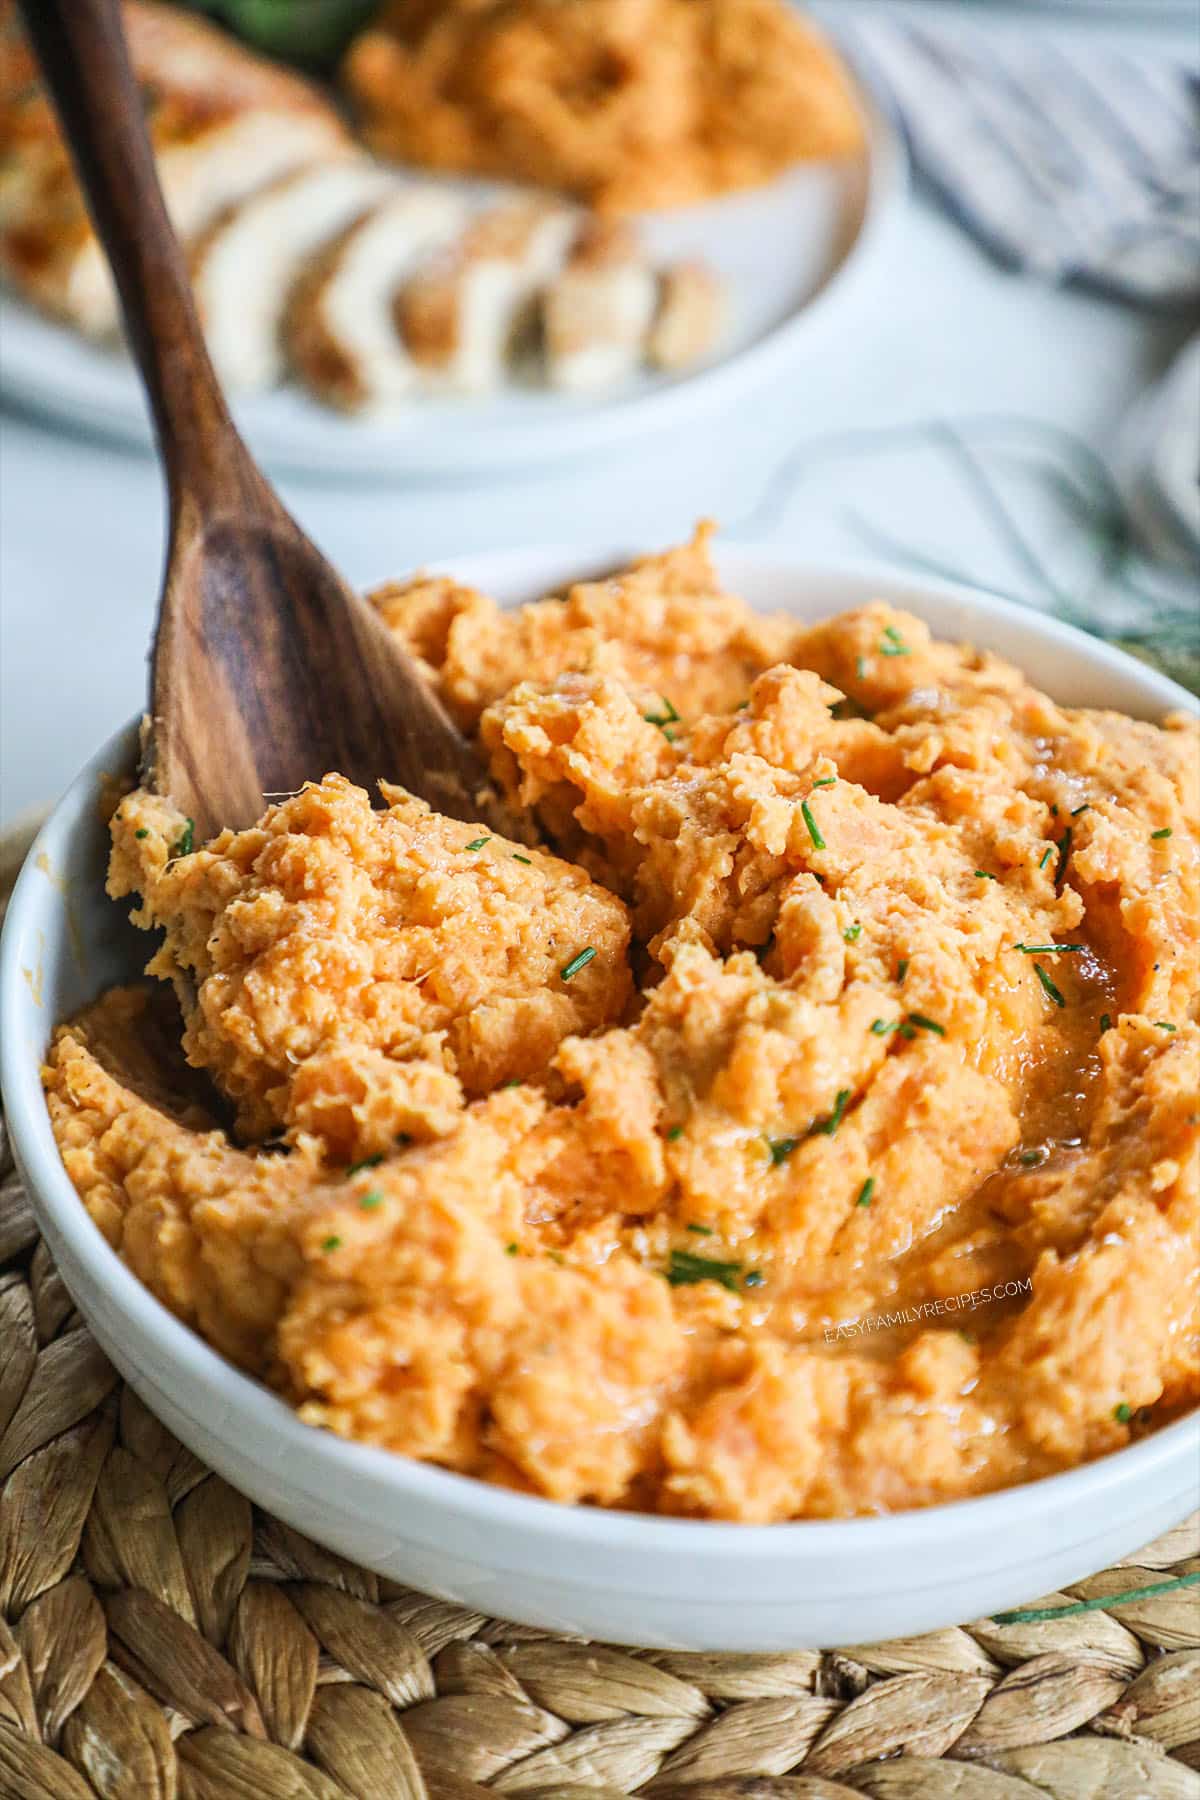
{"x":84,"y":59}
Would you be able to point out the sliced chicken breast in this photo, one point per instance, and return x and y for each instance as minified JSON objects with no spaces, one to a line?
{"x":463,"y":315}
{"x":338,"y":330}
{"x":597,"y":313}
{"x":222,"y":123}
{"x":690,"y":317}
{"x":245,"y":265}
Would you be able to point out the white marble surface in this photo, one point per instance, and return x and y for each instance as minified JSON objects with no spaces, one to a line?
{"x":942,"y":332}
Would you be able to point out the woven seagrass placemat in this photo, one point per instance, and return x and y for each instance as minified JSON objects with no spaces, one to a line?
{"x":161,"y":1637}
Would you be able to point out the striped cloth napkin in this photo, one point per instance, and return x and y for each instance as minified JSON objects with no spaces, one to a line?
{"x":1074,"y":159}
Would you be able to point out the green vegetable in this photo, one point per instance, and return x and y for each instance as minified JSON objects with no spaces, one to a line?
{"x":826,"y":781}
{"x":1046,"y":855}
{"x":517,"y":857}
{"x":675,"y":1133}
{"x":477,"y":844}
{"x":753,"y":1278}
{"x":781,"y":1148}
{"x":1048,"y":985}
{"x":817,"y":840}
{"x":685,"y":1270}
{"x":142,"y":832}
{"x":701,"y":1230}
{"x":185,"y":843}
{"x":901,"y":970}
{"x":663,"y":719}
{"x":894,"y":644}
{"x":372,"y":1201}
{"x":865,"y":1192}
{"x":881,"y":1027}
{"x":827,"y":1127}
{"x":1047,"y":949}
{"x":1106,"y":1023}
{"x":331,"y":1243}
{"x":852,"y":934}
{"x":577,"y":962}
{"x":368,"y":1162}
{"x":984,"y":876}
{"x":1123,"y":1413}
{"x":924,"y":1024}
{"x":1164,"y":833}
{"x":1163,"y":1025}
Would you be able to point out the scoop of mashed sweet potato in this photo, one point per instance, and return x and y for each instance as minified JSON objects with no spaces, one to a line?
{"x":813,"y":1132}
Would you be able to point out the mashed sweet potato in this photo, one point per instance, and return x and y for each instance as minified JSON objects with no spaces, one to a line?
{"x":813,"y":1131}
{"x":625,"y":104}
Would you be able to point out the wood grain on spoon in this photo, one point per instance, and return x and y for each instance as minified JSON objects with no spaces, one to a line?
{"x":267,"y":670}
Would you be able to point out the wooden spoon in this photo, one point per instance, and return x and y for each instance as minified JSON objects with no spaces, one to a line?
{"x":266,"y":670}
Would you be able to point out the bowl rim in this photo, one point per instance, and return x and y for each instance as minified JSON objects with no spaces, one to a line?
{"x":207,"y":1375}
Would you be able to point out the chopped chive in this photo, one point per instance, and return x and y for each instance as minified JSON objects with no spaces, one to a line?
{"x":901,"y":970}
{"x":741,"y":706}
{"x":331,"y":1243}
{"x":1047,"y":949}
{"x":826,"y":781}
{"x":1164,"y":833}
{"x":1123,"y":1412}
{"x":925,"y":1024}
{"x":1076,"y":810}
{"x":1106,"y":1023}
{"x":852,"y":934}
{"x":372,"y":1201}
{"x":817,"y":840}
{"x":1048,"y":985}
{"x":881,"y":1027}
{"x":511,"y":1250}
{"x":906,"y":1031}
{"x":517,"y":857}
{"x":185,"y":843}
{"x":1046,"y":855}
{"x":556,"y":1256}
{"x":1030,"y":1158}
{"x":701,"y":1230}
{"x":477,"y":843}
{"x":1064,"y":852}
{"x":893,"y":644}
{"x":865,"y":1192}
{"x":984,"y":876}
{"x":578,"y":962}
{"x":753,"y":1278}
{"x":663,"y":719}
{"x":675,"y":1133}
{"x":827,"y":1127}
{"x":513,"y":1081}
{"x":367,"y":1162}
{"x":1163,"y":1025}
{"x":142,"y":832}
{"x":685,"y":1269}
{"x":781,"y":1148}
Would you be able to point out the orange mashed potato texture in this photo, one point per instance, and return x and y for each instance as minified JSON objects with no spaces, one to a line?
{"x":626,"y":104}
{"x":812,"y":1132}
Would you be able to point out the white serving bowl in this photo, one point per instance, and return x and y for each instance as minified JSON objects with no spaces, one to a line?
{"x":627,"y":1578}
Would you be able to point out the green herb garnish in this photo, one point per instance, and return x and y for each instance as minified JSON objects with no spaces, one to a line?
{"x":865,"y":1192}
{"x":1048,"y":985}
{"x":685,"y":1269}
{"x":827,"y":1127}
{"x":1163,"y":1025}
{"x":701,"y":1230}
{"x":1123,"y":1412}
{"x":367,"y":1162}
{"x":675,"y":1133}
{"x":894,"y":644}
{"x":781,"y":1148}
{"x":372,"y":1201}
{"x":925,"y":1024}
{"x":826,"y":781}
{"x":185,"y":843}
{"x":477,"y":843}
{"x":331,"y":1243}
{"x":901,"y":970}
{"x":1030,"y":1158}
{"x":881,"y":1027}
{"x":818,"y":841}
{"x":1043,"y":1615}
{"x":984,"y":876}
{"x":852,"y":934}
{"x":577,"y":962}
{"x":663,"y":719}
{"x":1106,"y":1023}
{"x":517,"y":857}
{"x":1046,"y":855}
{"x":142,"y":832}
{"x":511,"y":1250}
{"x":753,"y":1278}
{"x":1064,"y":852}
{"x":1076,"y":810}
{"x":1164,"y":833}
{"x":1047,"y":949}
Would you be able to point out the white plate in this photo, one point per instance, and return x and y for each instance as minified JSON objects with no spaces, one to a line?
{"x":788,"y":252}
{"x":621,"y":1577}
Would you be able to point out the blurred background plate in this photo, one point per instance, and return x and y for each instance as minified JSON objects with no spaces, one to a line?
{"x":791,"y":254}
